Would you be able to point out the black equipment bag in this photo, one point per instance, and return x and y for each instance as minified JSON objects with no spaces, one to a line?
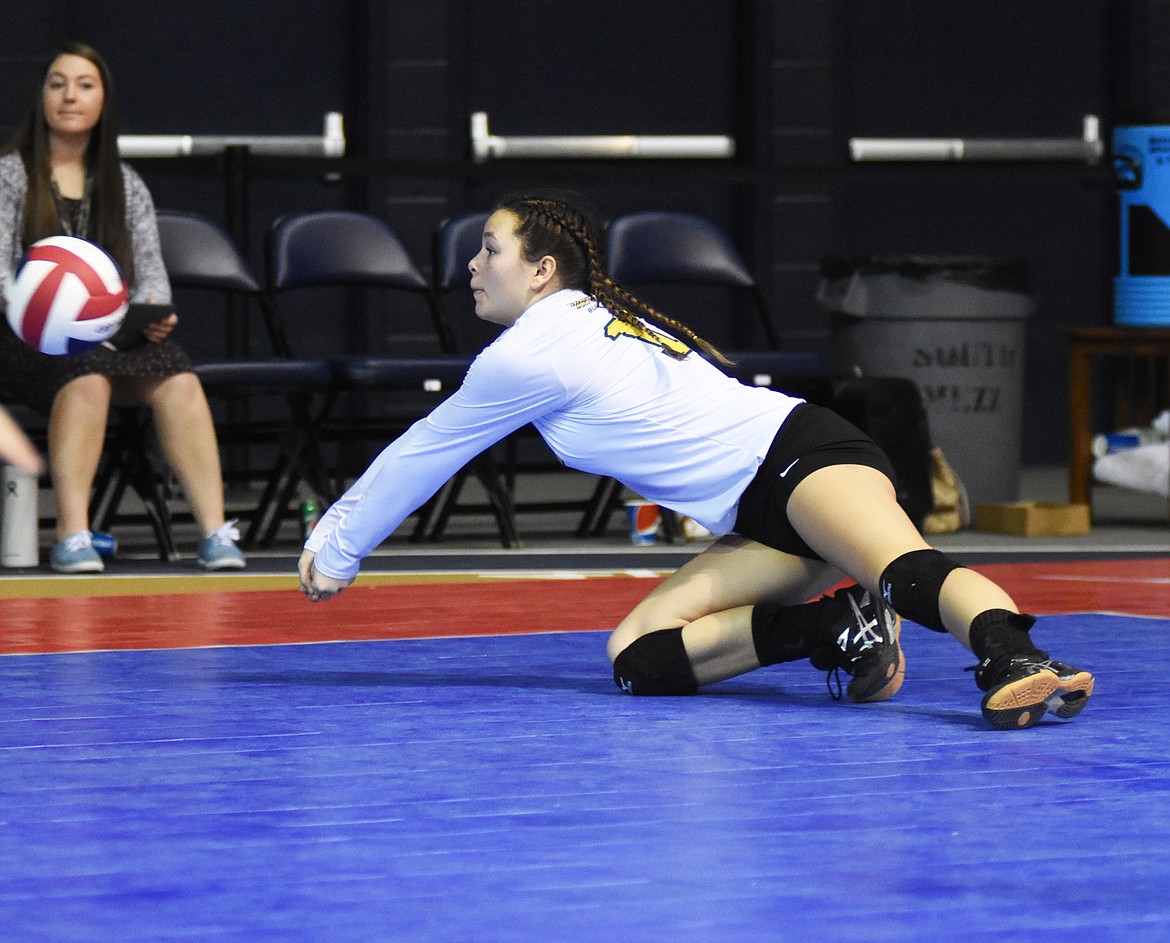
{"x":890,"y":411}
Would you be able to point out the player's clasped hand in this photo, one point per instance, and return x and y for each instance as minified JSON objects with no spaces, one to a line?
{"x":316,"y":586}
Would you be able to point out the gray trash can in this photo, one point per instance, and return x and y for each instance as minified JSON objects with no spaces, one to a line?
{"x":955,"y":326}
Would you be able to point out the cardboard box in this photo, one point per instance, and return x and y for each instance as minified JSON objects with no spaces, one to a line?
{"x":1033,"y":519}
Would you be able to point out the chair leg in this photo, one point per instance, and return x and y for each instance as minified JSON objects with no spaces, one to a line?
{"x":145,"y":480}
{"x":108,"y":489}
{"x":433,"y":515}
{"x":280,"y":509}
{"x":160,"y":522}
{"x":129,"y":464}
{"x":671,"y":528}
{"x":600,"y":506}
{"x":309,"y":453}
{"x":299,"y":460}
{"x":439,"y":508}
{"x":268,"y":508}
{"x":500,"y":499}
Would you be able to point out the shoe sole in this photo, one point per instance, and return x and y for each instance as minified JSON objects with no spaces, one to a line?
{"x":895,"y":674}
{"x":71,"y":570}
{"x":224,"y":565}
{"x":1022,"y":704}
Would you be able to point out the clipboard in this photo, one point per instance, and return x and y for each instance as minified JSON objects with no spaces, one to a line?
{"x":129,"y":335}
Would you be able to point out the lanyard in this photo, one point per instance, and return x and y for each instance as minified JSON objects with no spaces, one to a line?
{"x":74,"y":225}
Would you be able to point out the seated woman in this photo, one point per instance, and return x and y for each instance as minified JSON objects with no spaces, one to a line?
{"x":60,"y":174}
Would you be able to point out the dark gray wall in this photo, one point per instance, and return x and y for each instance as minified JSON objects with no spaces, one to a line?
{"x":792,"y":80}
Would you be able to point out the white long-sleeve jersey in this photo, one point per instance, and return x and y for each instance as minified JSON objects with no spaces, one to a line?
{"x":606,"y":398}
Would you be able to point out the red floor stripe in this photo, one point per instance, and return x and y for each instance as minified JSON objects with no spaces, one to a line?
{"x":184,"y":620}
{"x":1133,"y":587}
{"x":87,"y":623}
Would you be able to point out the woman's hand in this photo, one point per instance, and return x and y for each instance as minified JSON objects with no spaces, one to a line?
{"x":316,"y":586}
{"x":157,"y":331}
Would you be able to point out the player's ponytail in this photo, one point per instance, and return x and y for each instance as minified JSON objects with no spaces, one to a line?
{"x":563,"y":228}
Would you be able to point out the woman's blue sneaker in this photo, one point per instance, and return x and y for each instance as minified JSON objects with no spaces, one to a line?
{"x":218,"y":550}
{"x":75,"y":554}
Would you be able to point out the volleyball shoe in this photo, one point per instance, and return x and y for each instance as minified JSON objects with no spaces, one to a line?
{"x":866,"y":645}
{"x":1022,"y":688}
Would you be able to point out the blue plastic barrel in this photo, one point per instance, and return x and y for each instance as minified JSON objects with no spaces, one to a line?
{"x":1141,"y":160}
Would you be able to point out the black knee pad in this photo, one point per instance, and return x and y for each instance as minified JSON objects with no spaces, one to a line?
{"x":911,"y":585}
{"x":655,"y":663}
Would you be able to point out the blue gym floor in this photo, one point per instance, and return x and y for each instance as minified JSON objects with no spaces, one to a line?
{"x":502,"y":789}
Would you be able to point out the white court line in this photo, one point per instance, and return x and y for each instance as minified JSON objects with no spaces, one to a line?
{"x":1104,"y":579}
{"x":565,"y":574}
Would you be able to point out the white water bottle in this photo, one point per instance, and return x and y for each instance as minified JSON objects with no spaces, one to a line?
{"x":19,"y":518}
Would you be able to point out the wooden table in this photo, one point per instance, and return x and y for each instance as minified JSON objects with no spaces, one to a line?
{"x":1085,"y":343}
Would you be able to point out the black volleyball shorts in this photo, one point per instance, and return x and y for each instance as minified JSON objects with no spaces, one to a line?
{"x":811,"y":438}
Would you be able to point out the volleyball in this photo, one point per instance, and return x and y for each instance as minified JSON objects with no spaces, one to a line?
{"x":66,"y":297}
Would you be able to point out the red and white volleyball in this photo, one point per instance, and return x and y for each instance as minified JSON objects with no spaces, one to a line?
{"x":66,"y":297}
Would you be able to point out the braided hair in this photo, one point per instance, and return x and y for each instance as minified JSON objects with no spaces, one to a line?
{"x":562,"y":228}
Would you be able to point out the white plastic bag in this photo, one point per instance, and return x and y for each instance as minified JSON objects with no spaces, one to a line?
{"x":1144,"y":468}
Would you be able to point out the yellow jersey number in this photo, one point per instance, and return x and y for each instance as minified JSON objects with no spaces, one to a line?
{"x":618,"y":328}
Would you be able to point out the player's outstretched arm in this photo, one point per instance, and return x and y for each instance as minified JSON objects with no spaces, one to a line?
{"x":316,"y":586}
{"x":16,"y":449}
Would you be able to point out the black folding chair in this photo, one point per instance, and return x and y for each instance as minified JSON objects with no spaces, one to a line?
{"x":658,"y":247}
{"x":200,"y":255}
{"x":357,"y":250}
{"x":661,"y":247}
{"x":196,"y":254}
{"x":456,"y":240}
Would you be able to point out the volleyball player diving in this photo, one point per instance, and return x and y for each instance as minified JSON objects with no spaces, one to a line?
{"x":801,"y":499}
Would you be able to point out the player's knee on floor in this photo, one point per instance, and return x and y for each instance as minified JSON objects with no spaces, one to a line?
{"x":912,"y":584}
{"x":655,"y":663}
